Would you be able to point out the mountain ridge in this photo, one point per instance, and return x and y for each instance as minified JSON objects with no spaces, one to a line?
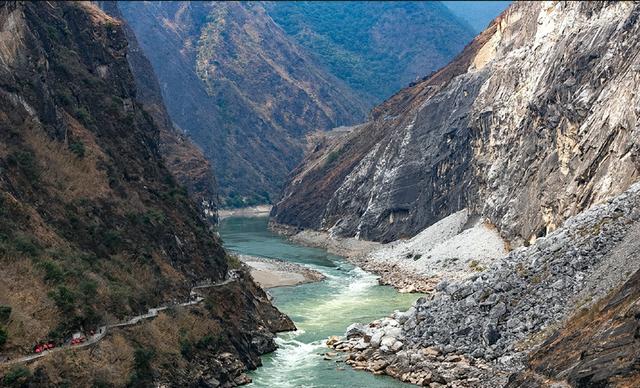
{"x":227,"y":85}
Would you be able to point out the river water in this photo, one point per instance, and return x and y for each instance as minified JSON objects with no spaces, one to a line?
{"x":319,"y":310}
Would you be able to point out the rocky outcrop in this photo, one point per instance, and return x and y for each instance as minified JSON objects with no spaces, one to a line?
{"x":486,"y":325}
{"x":533,"y":122}
{"x":243,"y":91}
{"x":599,"y":346}
{"x":93,"y":225}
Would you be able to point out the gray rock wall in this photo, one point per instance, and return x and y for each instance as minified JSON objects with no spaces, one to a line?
{"x":534,"y":122}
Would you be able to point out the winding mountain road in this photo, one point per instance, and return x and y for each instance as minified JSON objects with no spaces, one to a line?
{"x":194,"y":299}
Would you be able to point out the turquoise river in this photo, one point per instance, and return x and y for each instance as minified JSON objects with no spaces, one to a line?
{"x":319,"y":310}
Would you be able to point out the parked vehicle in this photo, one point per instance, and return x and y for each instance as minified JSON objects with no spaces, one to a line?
{"x":78,"y":341}
{"x":39,"y":348}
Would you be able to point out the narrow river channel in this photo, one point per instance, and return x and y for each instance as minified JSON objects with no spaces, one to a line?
{"x":319,"y":310}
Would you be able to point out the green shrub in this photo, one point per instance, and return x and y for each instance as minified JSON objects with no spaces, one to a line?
{"x":186,"y":348}
{"x":111,"y":239}
{"x":88,"y":289}
{"x":26,"y":163}
{"x":3,"y":336}
{"x":209,"y":303}
{"x":64,"y":298}
{"x":18,"y":376}
{"x":77,"y":147}
{"x":52,"y":33}
{"x":331,"y":158}
{"x":475,"y":265}
{"x":83,"y":115}
{"x":154,"y":217}
{"x":65,"y":98}
{"x":90,"y":317}
{"x":26,"y":245}
{"x":208,"y":340}
{"x":142,"y":373}
{"x":52,"y":272}
{"x":5,"y":313}
{"x":233,"y":261}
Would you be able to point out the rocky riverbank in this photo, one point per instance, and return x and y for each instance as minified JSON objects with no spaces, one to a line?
{"x":357,"y":252}
{"x":270,"y":273}
{"x":454,"y":248}
{"x":482,"y":329}
{"x":378,"y":348}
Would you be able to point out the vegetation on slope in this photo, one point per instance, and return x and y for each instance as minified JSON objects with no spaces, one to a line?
{"x":93,"y":226}
{"x":376,"y":47}
{"x":241,"y":88}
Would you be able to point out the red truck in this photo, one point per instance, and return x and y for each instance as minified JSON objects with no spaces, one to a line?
{"x":39,"y":348}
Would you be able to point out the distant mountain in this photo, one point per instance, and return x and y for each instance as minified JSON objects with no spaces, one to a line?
{"x":240,"y":88}
{"x":477,"y":13}
{"x":248,"y":81}
{"x":376,"y":47}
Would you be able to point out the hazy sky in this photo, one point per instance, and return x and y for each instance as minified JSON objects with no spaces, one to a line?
{"x":477,"y":13}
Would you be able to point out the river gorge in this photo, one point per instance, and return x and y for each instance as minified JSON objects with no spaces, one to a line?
{"x":319,"y":310}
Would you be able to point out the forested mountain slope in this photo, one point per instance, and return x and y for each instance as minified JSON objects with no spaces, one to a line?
{"x":183,"y":158}
{"x":375,"y":47}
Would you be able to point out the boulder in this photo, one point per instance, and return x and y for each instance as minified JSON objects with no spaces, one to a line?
{"x":356,"y":330}
{"x":387,"y":341}
{"x":361,"y":345}
{"x":333,"y":340}
{"x":490,"y":334}
{"x":376,"y":339}
{"x":393,"y":332}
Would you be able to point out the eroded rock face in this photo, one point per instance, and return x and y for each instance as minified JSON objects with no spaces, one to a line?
{"x":536,"y":120}
{"x":597,"y":347}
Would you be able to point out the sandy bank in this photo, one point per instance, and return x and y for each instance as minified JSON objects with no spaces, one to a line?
{"x":270,"y":273}
{"x":253,"y":211}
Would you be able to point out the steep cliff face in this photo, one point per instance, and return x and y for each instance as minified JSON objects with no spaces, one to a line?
{"x":182,"y":157}
{"x":93,"y":226}
{"x":240,"y":88}
{"x":534,"y":121}
{"x":376,"y":47}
